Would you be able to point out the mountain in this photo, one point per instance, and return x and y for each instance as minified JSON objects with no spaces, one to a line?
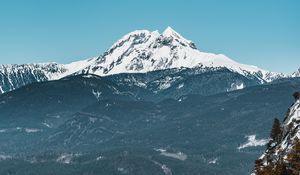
{"x":91,"y":124}
{"x":282,"y":155}
{"x":174,"y":83}
{"x":296,"y":73}
{"x":140,"y":51}
{"x":145,"y":51}
{"x":13,"y":76}
{"x":151,"y":104}
{"x":67,"y":95}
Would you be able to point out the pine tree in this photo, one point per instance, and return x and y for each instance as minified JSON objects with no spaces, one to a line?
{"x":280,"y":168}
{"x":276,"y":131}
{"x":294,"y":158}
{"x":258,"y":166}
{"x":296,"y":95}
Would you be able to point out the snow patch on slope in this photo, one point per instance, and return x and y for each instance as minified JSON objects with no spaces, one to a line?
{"x":20,"y":129}
{"x":66,"y":158}
{"x":165,"y":168}
{"x":180,"y":86}
{"x":253,"y":142}
{"x":5,"y":157}
{"x":47,"y":125}
{"x":213,"y":161}
{"x":31,"y":130}
{"x":166,"y":82}
{"x":237,"y":86}
{"x":97,"y":94}
{"x":179,"y":155}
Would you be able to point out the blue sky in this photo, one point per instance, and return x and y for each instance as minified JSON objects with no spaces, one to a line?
{"x":258,"y":32}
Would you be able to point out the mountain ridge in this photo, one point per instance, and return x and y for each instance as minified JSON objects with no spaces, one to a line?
{"x":139,"y":51}
{"x":46,"y":121}
{"x":144,"y":51}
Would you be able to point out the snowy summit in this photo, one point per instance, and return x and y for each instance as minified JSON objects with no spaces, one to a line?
{"x":144,"y":51}
{"x":140,"y":51}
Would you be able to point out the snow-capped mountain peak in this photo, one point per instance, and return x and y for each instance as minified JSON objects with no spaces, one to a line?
{"x":296,"y":74}
{"x":143,"y":51}
{"x":169,"y":32}
{"x":139,"y":51}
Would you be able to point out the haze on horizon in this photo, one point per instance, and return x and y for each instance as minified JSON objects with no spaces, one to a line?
{"x":260,"y":33}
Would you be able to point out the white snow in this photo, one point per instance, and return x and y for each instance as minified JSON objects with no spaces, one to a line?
{"x":47,"y":125}
{"x":144,"y":51}
{"x":213,"y":161}
{"x":5,"y":157}
{"x":294,"y":113}
{"x":92,"y":119}
{"x":97,"y":94}
{"x":99,"y":158}
{"x":56,"y":116}
{"x":165,"y":168}
{"x":241,"y":86}
{"x":122,"y":170}
{"x":41,"y":71}
{"x":31,"y":130}
{"x":169,"y":32}
{"x":164,"y":85}
{"x":20,"y":129}
{"x":290,"y":134}
{"x":236,"y":86}
{"x":3,"y":130}
{"x":141,"y":84}
{"x":70,"y":68}
{"x":180,"y":86}
{"x":252,"y":142}
{"x":66,"y":158}
{"x":296,"y":74}
{"x":141,"y":51}
{"x":179,"y":155}
{"x":166,"y":82}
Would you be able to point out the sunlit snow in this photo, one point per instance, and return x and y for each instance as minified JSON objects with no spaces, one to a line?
{"x":5,"y":157}
{"x":252,"y":141}
{"x":178,"y":155}
{"x":31,"y":130}
{"x":213,"y":161}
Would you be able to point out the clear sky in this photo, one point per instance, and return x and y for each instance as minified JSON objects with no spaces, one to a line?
{"x":265,"y":33}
